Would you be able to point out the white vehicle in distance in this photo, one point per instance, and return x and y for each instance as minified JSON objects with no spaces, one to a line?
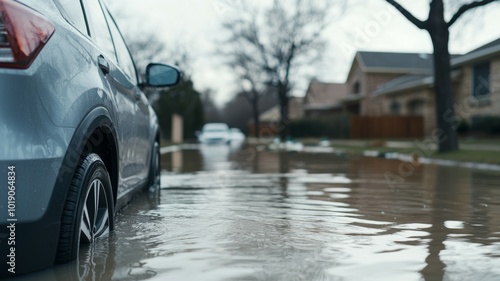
{"x":237,"y":135}
{"x":214,"y":133}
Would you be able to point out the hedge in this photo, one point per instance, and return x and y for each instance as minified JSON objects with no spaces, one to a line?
{"x":332,"y":127}
{"x":485,"y":124}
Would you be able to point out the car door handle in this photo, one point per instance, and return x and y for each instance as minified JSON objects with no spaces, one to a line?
{"x":103,"y":64}
{"x":137,"y":95}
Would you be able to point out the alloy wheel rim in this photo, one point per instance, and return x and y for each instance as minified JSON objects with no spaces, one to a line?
{"x":95,"y":215}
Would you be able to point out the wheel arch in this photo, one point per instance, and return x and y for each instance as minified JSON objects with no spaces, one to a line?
{"x":96,"y":133}
{"x":102,"y":141}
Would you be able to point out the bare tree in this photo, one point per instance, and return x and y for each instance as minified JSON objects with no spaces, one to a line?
{"x":210,"y":109}
{"x":149,"y":48}
{"x":276,"y":41}
{"x":438,"y":28}
{"x":252,"y":83}
{"x":146,"y":49}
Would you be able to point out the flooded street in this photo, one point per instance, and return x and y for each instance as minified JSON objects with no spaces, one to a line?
{"x":240,"y":214}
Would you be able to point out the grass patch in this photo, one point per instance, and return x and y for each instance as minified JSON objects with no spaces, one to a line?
{"x":477,"y":156}
{"x":360,"y":149}
{"x":488,"y":141}
{"x":350,"y":149}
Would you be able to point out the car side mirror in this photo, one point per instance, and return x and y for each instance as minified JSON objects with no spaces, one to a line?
{"x":162,"y":75}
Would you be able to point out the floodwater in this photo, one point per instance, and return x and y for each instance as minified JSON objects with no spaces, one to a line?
{"x":225,"y":213}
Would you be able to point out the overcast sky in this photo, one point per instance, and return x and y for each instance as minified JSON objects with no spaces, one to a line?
{"x":373,"y":26}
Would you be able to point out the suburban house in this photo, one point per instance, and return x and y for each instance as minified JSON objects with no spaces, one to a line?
{"x":478,"y":91}
{"x":323,"y":99}
{"x":294,"y":111}
{"x":270,"y":119}
{"x":401,"y":84}
{"x":390,"y":94}
{"x":369,"y":70}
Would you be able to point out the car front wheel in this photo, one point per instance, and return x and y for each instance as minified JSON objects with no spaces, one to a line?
{"x":88,"y":210}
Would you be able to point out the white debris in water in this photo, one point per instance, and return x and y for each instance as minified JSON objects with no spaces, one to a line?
{"x":324,"y":178}
{"x":454,"y":224}
{"x":371,"y":153}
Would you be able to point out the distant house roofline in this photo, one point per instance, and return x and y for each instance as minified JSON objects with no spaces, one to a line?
{"x":274,"y":114}
{"x":388,"y":88}
{"x":352,"y":99}
{"x":319,"y":107}
{"x":409,"y":82}
{"x":323,"y":96}
{"x":399,"y":85}
{"x":397,"y":70}
{"x":384,"y":62}
{"x":484,"y":52}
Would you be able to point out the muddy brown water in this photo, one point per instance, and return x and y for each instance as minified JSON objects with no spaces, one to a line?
{"x":225,"y":213}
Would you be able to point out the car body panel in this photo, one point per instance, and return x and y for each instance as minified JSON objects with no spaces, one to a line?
{"x":47,"y":115}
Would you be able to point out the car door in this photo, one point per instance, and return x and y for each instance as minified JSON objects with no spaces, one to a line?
{"x":140,"y":152}
{"x":130,"y":120}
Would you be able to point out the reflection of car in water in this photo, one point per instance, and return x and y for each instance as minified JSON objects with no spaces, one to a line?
{"x":78,"y":135}
{"x":213,"y":133}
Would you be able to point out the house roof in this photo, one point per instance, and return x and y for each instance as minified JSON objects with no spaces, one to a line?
{"x":418,"y":67}
{"x":413,"y":81}
{"x":404,"y":83}
{"x":484,"y":52}
{"x":486,"y":46}
{"x":321,"y":96}
{"x":395,"y":62}
{"x":409,"y":82}
{"x":294,"y":111}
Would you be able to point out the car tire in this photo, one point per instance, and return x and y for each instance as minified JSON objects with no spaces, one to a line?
{"x":88,"y":210}
{"x":155,"y":169}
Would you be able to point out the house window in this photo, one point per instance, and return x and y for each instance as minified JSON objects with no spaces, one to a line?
{"x":481,"y":80}
{"x":356,"y":88}
{"x":395,"y":108}
{"x":416,"y":107}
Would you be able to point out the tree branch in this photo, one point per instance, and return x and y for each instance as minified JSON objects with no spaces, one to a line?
{"x":467,"y":7}
{"x":418,"y":23}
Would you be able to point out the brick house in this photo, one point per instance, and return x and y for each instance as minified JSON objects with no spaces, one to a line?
{"x":270,"y":120}
{"x":402,"y":84}
{"x":369,"y":70}
{"x":476,"y":89}
{"x":295,"y":111}
{"x":323,"y":99}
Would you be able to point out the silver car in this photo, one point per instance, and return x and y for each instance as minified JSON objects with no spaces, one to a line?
{"x":77,"y":134}
{"x":214,"y":133}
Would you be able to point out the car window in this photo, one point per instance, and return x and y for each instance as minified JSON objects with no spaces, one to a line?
{"x":124,"y":59}
{"x":99,"y":30}
{"x":73,"y":12}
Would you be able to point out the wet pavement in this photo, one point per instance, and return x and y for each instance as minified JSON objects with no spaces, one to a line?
{"x":226,"y":213}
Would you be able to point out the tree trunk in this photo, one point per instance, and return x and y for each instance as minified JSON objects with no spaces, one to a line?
{"x":255,"y":109}
{"x":445,"y":113}
{"x":283,"y":99}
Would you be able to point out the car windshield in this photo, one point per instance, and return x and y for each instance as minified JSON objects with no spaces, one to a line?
{"x":215,"y":131}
